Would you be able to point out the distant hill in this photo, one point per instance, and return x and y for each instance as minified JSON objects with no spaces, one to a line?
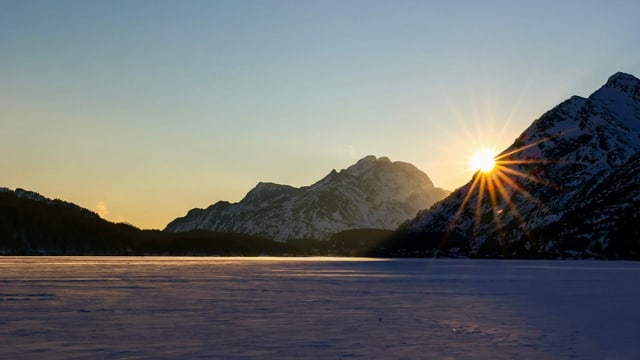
{"x":31,"y":224}
{"x":373,"y":193}
{"x":569,"y":186}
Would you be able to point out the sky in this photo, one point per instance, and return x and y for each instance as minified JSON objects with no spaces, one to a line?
{"x":142,"y":110}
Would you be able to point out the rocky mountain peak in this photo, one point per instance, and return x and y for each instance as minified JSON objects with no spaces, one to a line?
{"x":367,"y":163}
{"x":371,"y":167}
{"x":619,"y":85}
{"x":266,"y":189}
{"x":622,"y":81}
{"x":373,"y":193}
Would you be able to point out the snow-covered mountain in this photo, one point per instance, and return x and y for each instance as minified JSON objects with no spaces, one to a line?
{"x":373,"y":193}
{"x":609,"y":218}
{"x":569,"y":181}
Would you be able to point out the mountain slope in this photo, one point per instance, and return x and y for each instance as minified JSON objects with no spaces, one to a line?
{"x":559,"y":165}
{"x":373,"y":193}
{"x":31,"y":224}
{"x":609,"y":218}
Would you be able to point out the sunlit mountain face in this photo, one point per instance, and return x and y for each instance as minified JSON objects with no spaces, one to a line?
{"x":373,"y":193}
{"x":526,"y":203}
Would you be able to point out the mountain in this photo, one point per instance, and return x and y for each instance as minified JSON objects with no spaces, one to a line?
{"x":568,"y":186}
{"x":609,"y":218}
{"x":373,"y":193}
{"x":31,"y":224}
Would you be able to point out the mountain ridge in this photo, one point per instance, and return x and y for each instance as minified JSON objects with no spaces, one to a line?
{"x":32,"y":224}
{"x":553,"y":167}
{"x":372,"y":193}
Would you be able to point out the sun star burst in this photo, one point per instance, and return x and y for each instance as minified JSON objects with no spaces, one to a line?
{"x":494,"y":185}
{"x":483,"y":160}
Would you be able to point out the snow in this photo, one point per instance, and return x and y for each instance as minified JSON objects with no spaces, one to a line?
{"x":241,"y":308}
{"x":574,"y":147}
{"x":373,"y":193}
{"x":31,"y":195}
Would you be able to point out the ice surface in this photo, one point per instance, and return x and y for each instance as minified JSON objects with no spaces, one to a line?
{"x":237,"y":308}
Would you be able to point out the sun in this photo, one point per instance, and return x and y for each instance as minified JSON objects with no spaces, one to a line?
{"x":483,"y":160}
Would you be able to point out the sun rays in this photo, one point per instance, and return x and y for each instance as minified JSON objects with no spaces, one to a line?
{"x":483,"y":160}
{"x":506,"y":187}
{"x":489,"y":198}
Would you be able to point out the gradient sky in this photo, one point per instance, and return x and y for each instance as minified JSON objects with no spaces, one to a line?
{"x":142,"y":110}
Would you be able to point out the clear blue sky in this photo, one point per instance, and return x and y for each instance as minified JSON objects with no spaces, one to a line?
{"x":145,"y":109}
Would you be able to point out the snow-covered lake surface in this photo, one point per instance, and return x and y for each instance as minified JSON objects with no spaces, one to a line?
{"x":255,"y":308}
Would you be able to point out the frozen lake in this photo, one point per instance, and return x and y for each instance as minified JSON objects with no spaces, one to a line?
{"x":238,"y":308}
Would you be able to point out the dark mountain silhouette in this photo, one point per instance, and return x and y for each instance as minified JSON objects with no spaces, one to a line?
{"x":31,"y":224}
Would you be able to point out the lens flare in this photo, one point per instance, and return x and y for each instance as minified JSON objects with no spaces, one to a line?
{"x":494,"y":185}
{"x":483,"y":160}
